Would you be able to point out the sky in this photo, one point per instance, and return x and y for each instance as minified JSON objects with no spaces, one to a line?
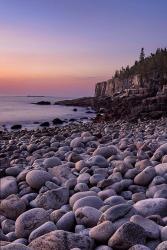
{"x":63,"y":47}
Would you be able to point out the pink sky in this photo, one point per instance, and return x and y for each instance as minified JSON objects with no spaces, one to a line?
{"x":64,"y":47}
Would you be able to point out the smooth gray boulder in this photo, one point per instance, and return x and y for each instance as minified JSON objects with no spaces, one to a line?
{"x":102,"y":232}
{"x":66,"y":222}
{"x":116,"y":212}
{"x":41,"y":230}
{"x":97,"y":160}
{"x":37,"y":178}
{"x":51,"y":162}
{"x":162,"y":246}
{"x":145,"y":177}
{"x":87,"y":216}
{"x":8,"y":186}
{"x":152,"y":206}
{"x":29,"y":221}
{"x":90,"y":201}
{"x":15,"y":246}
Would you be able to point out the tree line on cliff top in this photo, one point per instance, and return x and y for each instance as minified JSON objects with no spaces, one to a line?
{"x":153,"y":65}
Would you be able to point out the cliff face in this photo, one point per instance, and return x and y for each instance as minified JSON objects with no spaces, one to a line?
{"x":133,"y":97}
{"x":133,"y":84}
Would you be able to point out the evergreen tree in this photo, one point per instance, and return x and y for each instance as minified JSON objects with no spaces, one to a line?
{"x":142,"y":55}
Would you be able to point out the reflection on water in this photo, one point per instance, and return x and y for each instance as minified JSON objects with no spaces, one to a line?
{"x":21,"y":110}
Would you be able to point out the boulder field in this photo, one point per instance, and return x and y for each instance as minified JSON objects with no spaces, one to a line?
{"x":92,"y":186}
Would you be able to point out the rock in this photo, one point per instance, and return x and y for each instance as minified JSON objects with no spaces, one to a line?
{"x":161,"y":194}
{"x":29,"y":221}
{"x":56,"y":215}
{"x":57,"y":121}
{"x":8,"y":226}
{"x":66,"y":222}
{"x":15,"y":246}
{"x":16,"y":127}
{"x":164,"y":233}
{"x":91,"y":201}
{"x":8,"y":186}
{"x":145,"y":177}
{"x":83,"y":178}
{"x":162,"y":246}
{"x":160,"y":152}
{"x":13,"y":171}
{"x":77,"y":142}
{"x":114,"y":200}
{"x":138,"y":197}
{"x":37,"y":178}
{"x":106,"y":152}
{"x":97,"y":160}
{"x":51,"y":162}
{"x":80,"y":195}
{"x":62,"y":173}
{"x":74,"y":157}
{"x":127,"y":235}
{"x":102,"y":232}
{"x":139,"y":247}
{"x":41,"y":230}
{"x":161,"y":169}
{"x":12,"y":206}
{"x":115,"y":212}
{"x":87,"y":216}
{"x":3,"y":237}
{"x":150,"y":227}
{"x":152,"y":206}
{"x":79,"y":165}
{"x":52,"y":199}
{"x":45,"y":124}
{"x":81,"y":187}
{"x":43,"y":103}
{"x":106,"y":193}
{"x":61,"y":240}
{"x":103,"y":247}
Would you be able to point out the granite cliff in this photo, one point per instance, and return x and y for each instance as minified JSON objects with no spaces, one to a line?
{"x":137,"y":90}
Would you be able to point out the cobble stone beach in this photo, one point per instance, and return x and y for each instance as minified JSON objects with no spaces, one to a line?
{"x":99,"y":186}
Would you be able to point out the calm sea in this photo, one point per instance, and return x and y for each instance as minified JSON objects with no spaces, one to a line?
{"x":20,"y":110}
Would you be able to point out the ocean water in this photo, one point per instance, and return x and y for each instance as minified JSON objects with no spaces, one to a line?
{"x":20,"y":110}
